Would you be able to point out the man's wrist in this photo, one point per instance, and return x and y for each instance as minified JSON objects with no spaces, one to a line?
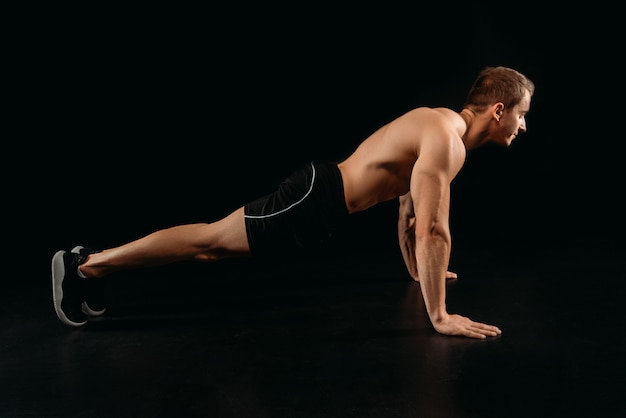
{"x":438,"y":315}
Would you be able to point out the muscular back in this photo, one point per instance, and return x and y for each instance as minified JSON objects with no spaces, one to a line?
{"x":381,"y":166}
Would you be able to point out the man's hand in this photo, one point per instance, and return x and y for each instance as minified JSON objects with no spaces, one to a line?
{"x":450,"y":275}
{"x":459,"y":325}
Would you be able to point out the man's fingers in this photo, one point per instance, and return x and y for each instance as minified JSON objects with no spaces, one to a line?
{"x":485,"y":330}
{"x":480,"y":333}
{"x":474,"y":334}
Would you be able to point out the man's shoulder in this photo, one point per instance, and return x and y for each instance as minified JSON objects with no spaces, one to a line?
{"x":431,"y":115}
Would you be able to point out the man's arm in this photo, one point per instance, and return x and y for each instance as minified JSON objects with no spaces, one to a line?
{"x":430,"y":194}
{"x":406,"y":237}
{"x":406,"y":234}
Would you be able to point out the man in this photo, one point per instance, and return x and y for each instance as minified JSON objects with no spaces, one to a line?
{"x":414,"y":158}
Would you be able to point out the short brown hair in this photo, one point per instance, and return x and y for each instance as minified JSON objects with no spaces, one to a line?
{"x":498,"y":84}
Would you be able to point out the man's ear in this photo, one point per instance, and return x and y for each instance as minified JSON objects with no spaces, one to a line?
{"x":497,"y":110}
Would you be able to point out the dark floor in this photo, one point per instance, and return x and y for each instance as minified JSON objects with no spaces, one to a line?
{"x":341,"y":338}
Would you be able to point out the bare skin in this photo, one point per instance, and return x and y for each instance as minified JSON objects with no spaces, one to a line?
{"x":414,"y":158}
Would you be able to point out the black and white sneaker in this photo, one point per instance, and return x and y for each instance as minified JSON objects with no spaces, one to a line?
{"x":93,"y":289}
{"x":67,"y":288}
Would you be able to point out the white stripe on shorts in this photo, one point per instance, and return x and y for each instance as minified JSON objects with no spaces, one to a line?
{"x":269,"y":215}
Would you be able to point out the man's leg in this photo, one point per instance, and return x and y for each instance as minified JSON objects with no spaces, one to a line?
{"x":205,"y":242}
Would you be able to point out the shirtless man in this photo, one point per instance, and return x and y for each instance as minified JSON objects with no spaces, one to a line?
{"x":414,"y":158}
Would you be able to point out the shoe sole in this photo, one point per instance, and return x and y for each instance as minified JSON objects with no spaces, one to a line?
{"x":58,"y":274}
{"x":86,"y":309}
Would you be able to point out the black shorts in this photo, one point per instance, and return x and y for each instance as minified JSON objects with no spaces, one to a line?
{"x":302,"y":214}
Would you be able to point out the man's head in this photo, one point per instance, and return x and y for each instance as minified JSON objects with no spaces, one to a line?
{"x":502,"y":95}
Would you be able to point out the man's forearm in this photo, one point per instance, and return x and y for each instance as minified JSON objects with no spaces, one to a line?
{"x":432,"y":257}
{"x":406,"y":239}
{"x":406,"y":234}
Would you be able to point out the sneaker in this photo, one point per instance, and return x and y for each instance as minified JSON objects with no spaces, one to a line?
{"x":93,"y":303}
{"x":67,"y":288}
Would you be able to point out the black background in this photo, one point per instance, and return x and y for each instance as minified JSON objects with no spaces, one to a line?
{"x":123,"y":120}
{"x":131,"y":120}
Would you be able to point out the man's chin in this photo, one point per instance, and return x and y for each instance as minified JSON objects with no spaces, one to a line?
{"x":510,"y":141}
